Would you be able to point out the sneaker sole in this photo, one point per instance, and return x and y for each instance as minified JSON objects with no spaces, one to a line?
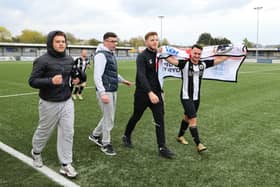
{"x":106,"y":153}
{"x":182,"y":142}
{"x":35,"y":165}
{"x":93,"y":140}
{"x":166,"y":157}
{"x":202,"y":150}
{"x":127,"y":145}
{"x":178,"y":140}
{"x":62,"y":172}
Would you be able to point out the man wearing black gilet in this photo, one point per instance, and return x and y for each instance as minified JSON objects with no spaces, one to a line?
{"x":148,"y":93}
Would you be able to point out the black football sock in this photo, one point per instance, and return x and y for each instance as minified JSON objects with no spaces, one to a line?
{"x":81,"y":89}
{"x":194,"y":133}
{"x":183,"y":128}
{"x":76,"y":90}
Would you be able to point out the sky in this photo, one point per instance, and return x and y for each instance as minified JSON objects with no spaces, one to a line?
{"x":182,"y":24}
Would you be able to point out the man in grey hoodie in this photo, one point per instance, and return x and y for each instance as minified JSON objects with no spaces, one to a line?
{"x":51,"y":74}
{"x":106,"y":79}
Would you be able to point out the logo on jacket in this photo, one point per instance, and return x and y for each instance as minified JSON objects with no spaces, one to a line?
{"x":150,"y":61}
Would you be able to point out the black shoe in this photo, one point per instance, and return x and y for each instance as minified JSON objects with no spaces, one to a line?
{"x":165,"y":152}
{"x":127,"y":142}
{"x":96,"y":140}
{"x":108,"y":150}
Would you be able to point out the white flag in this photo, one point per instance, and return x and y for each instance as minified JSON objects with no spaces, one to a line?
{"x":225,"y":71}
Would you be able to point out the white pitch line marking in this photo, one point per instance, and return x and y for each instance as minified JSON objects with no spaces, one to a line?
{"x":44,"y":170}
{"x":16,"y":95}
{"x":30,"y":93}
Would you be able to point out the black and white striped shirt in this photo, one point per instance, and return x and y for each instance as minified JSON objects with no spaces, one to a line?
{"x":82,"y":63}
{"x":192,"y":75}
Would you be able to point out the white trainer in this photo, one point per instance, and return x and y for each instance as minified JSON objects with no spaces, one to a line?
{"x":68,"y":171}
{"x":74,"y":96}
{"x":80,"y":97}
{"x":37,"y":160}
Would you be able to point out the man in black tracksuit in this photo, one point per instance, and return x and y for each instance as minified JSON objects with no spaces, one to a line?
{"x":148,"y":93}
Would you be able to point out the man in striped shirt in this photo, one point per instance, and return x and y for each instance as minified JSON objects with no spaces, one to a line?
{"x":82,"y":63}
{"x":192,"y":72}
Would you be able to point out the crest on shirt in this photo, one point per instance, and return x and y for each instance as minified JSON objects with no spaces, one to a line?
{"x":150,"y":61}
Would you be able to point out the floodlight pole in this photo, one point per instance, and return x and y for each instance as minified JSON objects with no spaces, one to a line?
{"x":257,"y":42}
{"x":161,"y":18}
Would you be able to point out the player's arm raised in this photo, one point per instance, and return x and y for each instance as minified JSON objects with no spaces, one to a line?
{"x":172,"y":60}
{"x":220,"y":59}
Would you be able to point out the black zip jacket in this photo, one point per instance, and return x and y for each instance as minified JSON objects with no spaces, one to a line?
{"x":146,"y":75}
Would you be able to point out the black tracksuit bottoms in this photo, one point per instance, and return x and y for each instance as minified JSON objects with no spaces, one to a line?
{"x":141,"y":102}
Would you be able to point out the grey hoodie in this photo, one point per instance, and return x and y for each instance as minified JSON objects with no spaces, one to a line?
{"x":99,"y":68}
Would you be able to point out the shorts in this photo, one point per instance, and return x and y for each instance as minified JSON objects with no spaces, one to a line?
{"x":190,"y":107}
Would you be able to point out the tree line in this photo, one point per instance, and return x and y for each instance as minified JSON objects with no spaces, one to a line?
{"x":33,"y":36}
